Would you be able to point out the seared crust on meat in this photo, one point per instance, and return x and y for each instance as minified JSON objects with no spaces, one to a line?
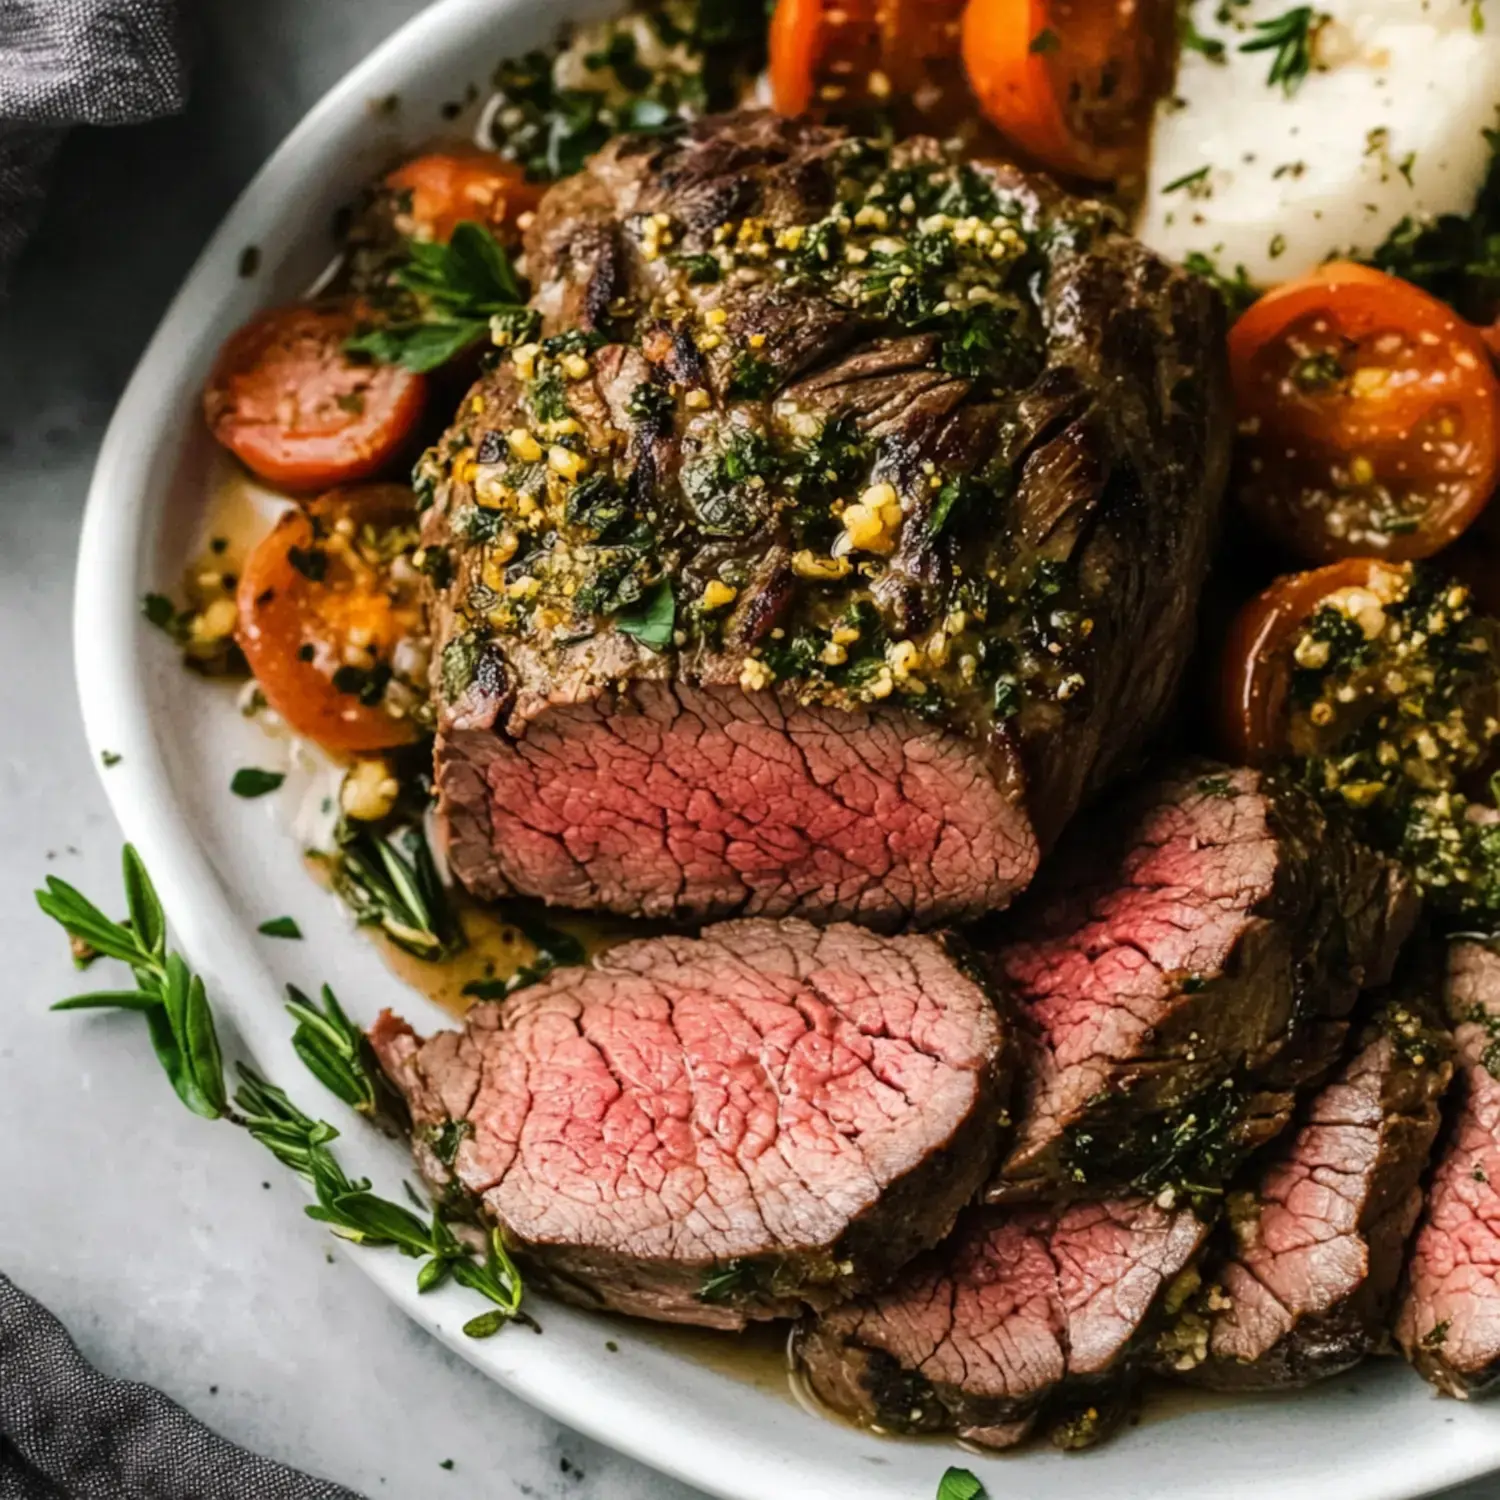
{"x":1183,"y":964}
{"x":853,"y":434}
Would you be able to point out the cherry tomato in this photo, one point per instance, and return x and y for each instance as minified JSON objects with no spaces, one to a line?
{"x":287,"y":401}
{"x":860,"y":52}
{"x":322,"y":612}
{"x":442,"y":189}
{"x":1073,"y":83}
{"x":1255,"y":677}
{"x":1369,"y":414}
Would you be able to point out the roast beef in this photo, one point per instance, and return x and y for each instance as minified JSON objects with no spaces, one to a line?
{"x":1026,"y":1313}
{"x":717,"y":1129}
{"x":1185,"y":961}
{"x":843,"y":530}
{"x":1317,"y":1243}
{"x":1449,"y":1323}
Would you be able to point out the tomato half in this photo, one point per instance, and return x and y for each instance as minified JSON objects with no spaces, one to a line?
{"x":438,"y":191}
{"x":1073,"y":83}
{"x":1369,"y":416}
{"x":295,"y":409}
{"x":847,"y":53}
{"x":330,"y":626}
{"x":1256,"y":673}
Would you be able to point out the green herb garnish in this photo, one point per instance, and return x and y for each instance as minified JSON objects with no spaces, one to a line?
{"x":1196,"y":183}
{"x":280,"y":927}
{"x":251,"y":781}
{"x":457,"y":288}
{"x":959,"y":1484}
{"x":174,"y":1004}
{"x":652,"y":621}
{"x":1290,"y":37}
{"x":725,"y":1283}
{"x":389,"y":880}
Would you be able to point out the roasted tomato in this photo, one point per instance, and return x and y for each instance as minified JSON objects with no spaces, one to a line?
{"x":1073,"y":83}
{"x":1369,"y":416}
{"x":437,"y":192}
{"x":330,"y":619}
{"x":1262,"y":651}
{"x":849,"y":53}
{"x":295,"y":409}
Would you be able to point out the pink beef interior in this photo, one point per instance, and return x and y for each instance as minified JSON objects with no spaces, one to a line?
{"x":691,"y":1100}
{"x":1016,"y":1305}
{"x":1107,"y":959}
{"x":1449,"y":1323}
{"x":713,"y":801}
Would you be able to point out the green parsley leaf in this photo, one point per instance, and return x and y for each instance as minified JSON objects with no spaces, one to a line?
{"x":459,"y":288}
{"x":419,"y":347}
{"x":959,"y":1484}
{"x":652,"y":619}
{"x":280,"y":927}
{"x":251,"y":781}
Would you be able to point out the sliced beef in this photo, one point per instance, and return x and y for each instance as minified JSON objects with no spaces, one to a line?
{"x":1449,"y":1322}
{"x":1025,"y":1314}
{"x":842,"y":532}
{"x":716,"y":1129}
{"x":1182,"y":966}
{"x":1316,"y":1244}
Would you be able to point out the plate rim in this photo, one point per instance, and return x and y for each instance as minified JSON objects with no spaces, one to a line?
{"x":110,"y":677}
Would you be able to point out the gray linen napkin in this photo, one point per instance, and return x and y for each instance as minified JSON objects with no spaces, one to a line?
{"x":69,"y":1433}
{"x":76,"y":62}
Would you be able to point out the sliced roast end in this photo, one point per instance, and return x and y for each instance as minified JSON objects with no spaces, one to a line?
{"x":719,"y":1129}
{"x":1025,"y":1315}
{"x":1317,"y":1240}
{"x":1449,"y":1321}
{"x":1181,"y":969}
{"x":667,"y":800}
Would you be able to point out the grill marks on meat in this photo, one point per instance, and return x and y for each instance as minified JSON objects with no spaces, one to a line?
{"x":1318,"y":1240}
{"x":1024,"y":1313}
{"x":784,"y":1112}
{"x":1179,"y":970}
{"x":664,"y":798}
{"x":1449,"y":1322}
{"x":1116,"y":452}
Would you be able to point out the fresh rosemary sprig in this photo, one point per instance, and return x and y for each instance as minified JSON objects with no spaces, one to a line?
{"x":170,"y":997}
{"x":175,"y":1005}
{"x":390,"y":881}
{"x":1290,"y":37}
{"x":333,"y":1049}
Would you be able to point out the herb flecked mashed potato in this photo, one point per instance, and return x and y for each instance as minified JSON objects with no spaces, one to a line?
{"x":1379,"y":113}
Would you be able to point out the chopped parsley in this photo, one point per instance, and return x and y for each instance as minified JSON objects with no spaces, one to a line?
{"x":280,"y":927}
{"x":959,"y":1484}
{"x":251,"y":781}
{"x":1455,"y":257}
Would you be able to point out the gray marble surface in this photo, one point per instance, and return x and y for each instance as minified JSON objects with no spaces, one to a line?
{"x":160,"y":1241}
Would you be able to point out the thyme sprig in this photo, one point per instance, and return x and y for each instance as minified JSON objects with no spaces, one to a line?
{"x":1290,"y":37}
{"x":174,"y":1003}
{"x":389,"y":880}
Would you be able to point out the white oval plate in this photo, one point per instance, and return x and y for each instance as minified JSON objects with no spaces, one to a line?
{"x":224,"y":865}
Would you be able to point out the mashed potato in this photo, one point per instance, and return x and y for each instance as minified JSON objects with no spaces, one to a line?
{"x":1389,"y":121}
